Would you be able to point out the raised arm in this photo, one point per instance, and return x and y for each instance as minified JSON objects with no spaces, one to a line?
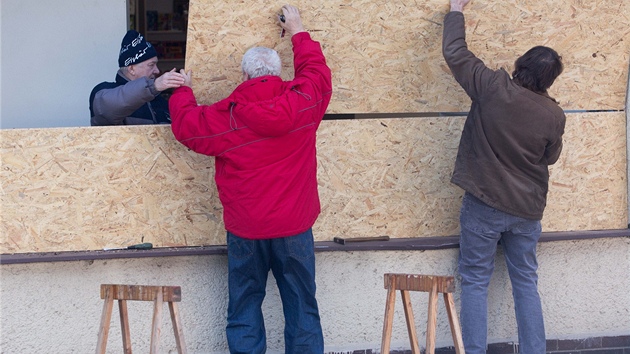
{"x":469,"y":71}
{"x":308,"y":59}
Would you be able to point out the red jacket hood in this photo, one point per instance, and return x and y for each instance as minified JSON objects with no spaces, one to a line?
{"x":262,"y":105}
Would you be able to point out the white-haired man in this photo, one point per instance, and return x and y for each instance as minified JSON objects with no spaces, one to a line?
{"x":263,"y":139}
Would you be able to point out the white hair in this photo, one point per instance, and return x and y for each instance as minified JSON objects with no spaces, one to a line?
{"x":261,"y":61}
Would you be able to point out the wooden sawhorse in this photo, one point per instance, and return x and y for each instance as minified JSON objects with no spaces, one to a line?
{"x":427,"y":283}
{"x":157,"y":294}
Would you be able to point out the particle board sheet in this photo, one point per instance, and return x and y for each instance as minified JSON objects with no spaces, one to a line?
{"x":66,"y":189}
{"x":392,"y":176}
{"x":389,"y":177}
{"x":386,"y":56}
{"x":588,"y":185}
{"x":96,"y":187}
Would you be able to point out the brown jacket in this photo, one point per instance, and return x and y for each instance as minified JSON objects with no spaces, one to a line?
{"x":510,"y":136}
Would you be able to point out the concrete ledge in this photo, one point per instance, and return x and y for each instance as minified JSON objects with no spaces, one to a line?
{"x":396,"y":244}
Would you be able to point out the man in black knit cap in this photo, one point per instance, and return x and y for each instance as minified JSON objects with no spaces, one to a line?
{"x":134,"y":98}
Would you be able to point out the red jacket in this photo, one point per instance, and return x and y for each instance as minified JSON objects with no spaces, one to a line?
{"x":263,"y":137}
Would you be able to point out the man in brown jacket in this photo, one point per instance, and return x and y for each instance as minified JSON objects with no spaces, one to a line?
{"x":513,"y":132}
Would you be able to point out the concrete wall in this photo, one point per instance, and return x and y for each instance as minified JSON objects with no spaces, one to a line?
{"x":56,"y":308}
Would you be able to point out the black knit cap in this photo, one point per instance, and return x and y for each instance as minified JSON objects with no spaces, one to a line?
{"x":135,"y":49}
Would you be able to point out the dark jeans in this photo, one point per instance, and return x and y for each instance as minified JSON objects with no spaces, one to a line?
{"x":481,"y":229}
{"x":292,"y":261}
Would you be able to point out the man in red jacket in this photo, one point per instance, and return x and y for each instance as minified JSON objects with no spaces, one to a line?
{"x":263,"y":139}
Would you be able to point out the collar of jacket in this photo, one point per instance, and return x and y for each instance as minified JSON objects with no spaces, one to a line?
{"x":242,"y":95}
{"x":263,"y":105}
{"x":258,"y":81}
{"x":120,"y":78}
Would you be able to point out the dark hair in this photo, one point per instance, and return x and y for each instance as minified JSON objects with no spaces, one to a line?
{"x":537,"y":69}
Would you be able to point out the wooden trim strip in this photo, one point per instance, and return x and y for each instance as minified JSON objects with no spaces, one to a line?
{"x":394,"y":244}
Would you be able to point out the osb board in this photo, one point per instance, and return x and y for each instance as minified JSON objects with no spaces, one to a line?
{"x":96,"y":187}
{"x":386,"y":55}
{"x":90,"y":188}
{"x":392,"y":176}
{"x":588,"y":185}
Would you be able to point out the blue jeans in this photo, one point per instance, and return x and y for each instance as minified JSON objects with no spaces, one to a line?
{"x":292,"y":261}
{"x":482,"y":227}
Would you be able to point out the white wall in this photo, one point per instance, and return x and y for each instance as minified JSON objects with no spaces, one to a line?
{"x":53,"y":54}
{"x":56,"y":307}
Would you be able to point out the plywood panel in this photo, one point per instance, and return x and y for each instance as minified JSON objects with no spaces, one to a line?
{"x":586,"y":188}
{"x":90,"y":188}
{"x":386,"y":55}
{"x":392,"y":176}
{"x":96,"y":187}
